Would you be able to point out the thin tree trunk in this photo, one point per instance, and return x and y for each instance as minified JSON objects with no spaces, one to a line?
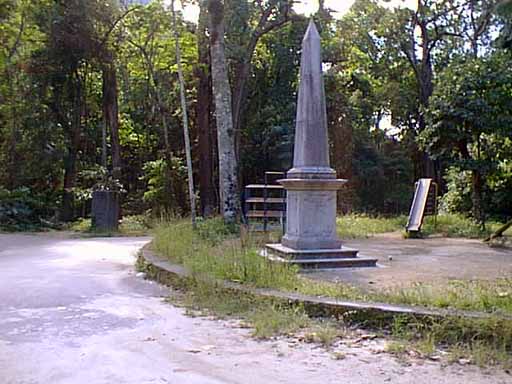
{"x":70,"y":163}
{"x":228,"y":183}
{"x":476,"y":197}
{"x":12,"y":151}
{"x":104,"y":144}
{"x":424,"y":77}
{"x":188,"y":152}
{"x":159,"y":99}
{"x":203,"y":112}
{"x":111,"y":114}
{"x":239,"y":94}
{"x":476,"y":186}
{"x":12,"y":78}
{"x":169,"y":185}
{"x":161,"y":108}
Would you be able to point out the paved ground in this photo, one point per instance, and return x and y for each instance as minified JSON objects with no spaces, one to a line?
{"x":73,"y":312}
{"x":422,"y":260}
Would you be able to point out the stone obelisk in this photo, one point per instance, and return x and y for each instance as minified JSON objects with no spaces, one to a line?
{"x":311,"y":184}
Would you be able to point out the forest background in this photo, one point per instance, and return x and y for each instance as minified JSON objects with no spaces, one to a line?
{"x":90,"y":99}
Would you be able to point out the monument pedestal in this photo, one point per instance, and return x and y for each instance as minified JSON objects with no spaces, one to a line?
{"x":311,"y":241}
{"x":311,"y":213}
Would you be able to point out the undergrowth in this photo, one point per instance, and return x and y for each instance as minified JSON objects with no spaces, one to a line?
{"x":214,"y":252}
{"x":456,"y":225}
{"x":136,"y":225}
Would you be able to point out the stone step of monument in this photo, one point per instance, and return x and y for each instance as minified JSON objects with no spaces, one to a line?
{"x":344,"y":262}
{"x":311,"y":254}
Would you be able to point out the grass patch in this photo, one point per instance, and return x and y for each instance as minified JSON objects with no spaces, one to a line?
{"x":271,"y":320}
{"x":473,"y":295}
{"x":480,"y":341}
{"x":324,"y":333}
{"x":355,"y":226}
{"x":213,"y":251}
{"x":360,"y":226}
{"x":267,"y":317}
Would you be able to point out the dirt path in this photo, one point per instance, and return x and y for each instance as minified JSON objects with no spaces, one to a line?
{"x":74,"y":311}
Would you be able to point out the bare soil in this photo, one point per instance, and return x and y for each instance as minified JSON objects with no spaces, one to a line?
{"x":402,"y":262}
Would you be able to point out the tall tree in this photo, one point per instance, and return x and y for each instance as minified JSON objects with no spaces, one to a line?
{"x":111,"y":110}
{"x":186,"y":135}
{"x":203,"y":116}
{"x":470,"y":118}
{"x":249,"y":22}
{"x":148,"y":45}
{"x":70,"y":23}
{"x":229,"y":193}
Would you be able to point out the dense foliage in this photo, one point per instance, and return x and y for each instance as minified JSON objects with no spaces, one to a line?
{"x":89,"y":94}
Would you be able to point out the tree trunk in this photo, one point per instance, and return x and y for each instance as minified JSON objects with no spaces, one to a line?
{"x":111,"y":114}
{"x":242,"y":72}
{"x":104,"y":155}
{"x":206,"y":158}
{"x":70,"y":162}
{"x":426,"y":88}
{"x":12,"y":152}
{"x":161,"y":107}
{"x":499,"y":232}
{"x":476,"y":197}
{"x":186,"y":135}
{"x":228,"y":184}
{"x":477,"y":184}
{"x":424,"y":77}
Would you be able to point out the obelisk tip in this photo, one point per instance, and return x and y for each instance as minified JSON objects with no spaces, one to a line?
{"x":312,"y":31}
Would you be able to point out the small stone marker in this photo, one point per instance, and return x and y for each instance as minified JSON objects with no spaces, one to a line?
{"x":105,"y":210}
{"x":311,"y":240}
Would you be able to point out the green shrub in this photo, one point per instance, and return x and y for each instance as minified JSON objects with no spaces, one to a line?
{"x":456,"y":225}
{"x":22,"y":210}
{"x":166,"y":192}
{"x":458,"y":196}
{"x":215,"y":230}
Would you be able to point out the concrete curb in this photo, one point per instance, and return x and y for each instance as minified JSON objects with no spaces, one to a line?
{"x":167,"y":273}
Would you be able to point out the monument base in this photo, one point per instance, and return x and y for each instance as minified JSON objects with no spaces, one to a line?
{"x":342,"y":257}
